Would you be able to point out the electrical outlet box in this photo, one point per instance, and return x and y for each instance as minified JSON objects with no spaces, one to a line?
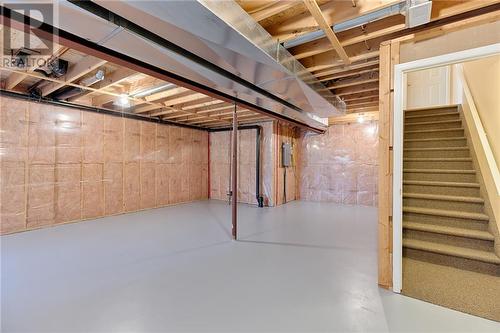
{"x":286,"y":154}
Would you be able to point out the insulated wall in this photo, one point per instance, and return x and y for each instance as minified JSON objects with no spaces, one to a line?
{"x":286,"y":177}
{"x":60,"y":165}
{"x":341,"y":165}
{"x":220,"y":158}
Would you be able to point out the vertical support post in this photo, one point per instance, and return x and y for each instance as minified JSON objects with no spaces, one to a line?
{"x":234,"y":176}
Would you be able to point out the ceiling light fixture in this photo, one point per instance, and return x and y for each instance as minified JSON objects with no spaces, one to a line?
{"x":123,"y":100}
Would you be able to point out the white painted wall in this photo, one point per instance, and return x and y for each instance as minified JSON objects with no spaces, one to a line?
{"x":483,"y":78}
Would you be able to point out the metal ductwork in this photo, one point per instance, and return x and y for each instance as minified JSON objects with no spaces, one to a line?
{"x":154,"y":90}
{"x":98,"y":76}
{"x":68,"y":92}
{"x":215,"y":44}
{"x":417,"y":12}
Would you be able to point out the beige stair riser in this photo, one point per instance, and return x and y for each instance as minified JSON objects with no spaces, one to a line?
{"x":444,"y":204}
{"x":442,"y":177}
{"x":434,"y":134}
{"x":446,"y":221}
{"x":431,"y":111}
{"x":436,"y":153}
{"x":435,"y":144}
{"x":448,"y":165}
{"x":425,"y":125}
{"x":443,"y":117}
{"x":460,"y":263}
{"x":470,"y":243}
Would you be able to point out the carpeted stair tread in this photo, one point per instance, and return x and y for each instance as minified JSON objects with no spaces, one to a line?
{"x":436,"y":149}
{"x":450,"y":250}
{"x":440,"y":171}
{"x":435,"y":122}
{"x":436,"y":130}
{"x":439,"y":159}
{"x":438,"y":107}
{"x":447,"y":230}
{"x":449,"y":255}
{"x":436,"y":183}
{"x":445,"y":114}
{"x":453,"y":138}
{"x":443,"y":197}
{"x":447,"y":213}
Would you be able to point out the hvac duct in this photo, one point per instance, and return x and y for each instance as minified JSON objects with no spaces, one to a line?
{"x":154,"y":90}
{"x":417,"y":12}
{"x":98,"y":76}
{"x":210,"y":46}
{"x":215,"y":46}
{"x":68,"y":92}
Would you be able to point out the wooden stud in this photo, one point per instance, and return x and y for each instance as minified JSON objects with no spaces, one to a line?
{"x":315,"y":11}
{"x":384,"y":177}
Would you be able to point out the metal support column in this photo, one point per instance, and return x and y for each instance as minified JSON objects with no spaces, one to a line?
{"x":234,"y":175}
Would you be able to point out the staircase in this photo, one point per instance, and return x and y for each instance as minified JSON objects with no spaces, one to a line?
{"x":448,"y":250}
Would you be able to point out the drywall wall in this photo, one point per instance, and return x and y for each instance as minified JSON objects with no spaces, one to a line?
{"x":61,"y":165}
{"x":220,"y":158}
{"x":481,"y":109}
{"x":341,"y":165}
{"x":448,"y":39}
{"x":483,"y":79}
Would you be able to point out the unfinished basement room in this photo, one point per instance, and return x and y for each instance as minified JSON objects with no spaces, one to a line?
{"x":250,"y":166}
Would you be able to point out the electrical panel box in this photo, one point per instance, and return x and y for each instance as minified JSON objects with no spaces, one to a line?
{"x":286,"y":154}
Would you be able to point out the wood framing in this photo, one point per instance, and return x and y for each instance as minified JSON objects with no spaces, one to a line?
{"x":315,"y":11}
{"x":385,"y":166}
{"x":391,"y":53}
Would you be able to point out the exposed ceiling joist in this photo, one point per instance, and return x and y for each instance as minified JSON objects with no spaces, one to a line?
{"x":86,"y":65}
{"x":328,"y":60}
{"x":333,"y":11}
{"x":356,"y":89}
{"x":343,"y":68}
{"x":352,"y":36}
{"x":15,"y":78}
{"x":315,"y":11}
{"x":356,"y":96}
{"x":109,"y":80}
{"x":273,"y":9}
{"x":362,"y":100}
{"x":361,"y":79}
{"x":350,"y":73}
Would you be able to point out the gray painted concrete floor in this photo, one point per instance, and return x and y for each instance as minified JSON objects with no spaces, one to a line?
{"x":302,"y":267}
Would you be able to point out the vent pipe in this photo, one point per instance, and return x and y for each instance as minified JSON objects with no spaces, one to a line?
{"x":99,"y":76}
{"x":417,"y":12}
{"x":68,"y":92}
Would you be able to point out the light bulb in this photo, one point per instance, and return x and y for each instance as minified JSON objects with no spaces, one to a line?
{"x":123,"y":100}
